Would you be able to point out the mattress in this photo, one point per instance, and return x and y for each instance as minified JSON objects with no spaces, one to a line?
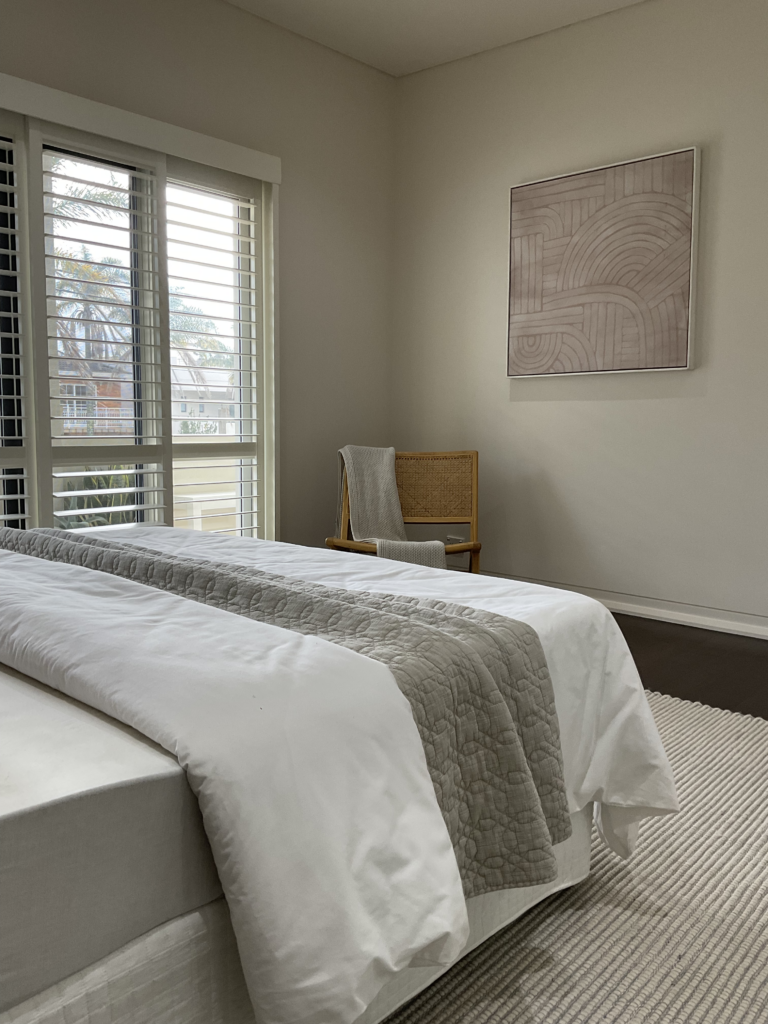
{"x":187,"y":970}
{"x":101,"y":838}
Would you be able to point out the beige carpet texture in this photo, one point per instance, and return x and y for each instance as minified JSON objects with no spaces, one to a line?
{"x":676,"y":935}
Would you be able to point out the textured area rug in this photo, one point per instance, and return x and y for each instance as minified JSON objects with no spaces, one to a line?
{"x":676,"y":935}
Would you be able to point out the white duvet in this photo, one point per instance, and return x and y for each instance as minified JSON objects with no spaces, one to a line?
{"x":612,"y":752}
{"x":308,"y":766}
{"x":305,"y":758}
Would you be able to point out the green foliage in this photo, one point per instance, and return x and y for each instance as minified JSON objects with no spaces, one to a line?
{"x":104,"y":505}
{"x":198,"y":427}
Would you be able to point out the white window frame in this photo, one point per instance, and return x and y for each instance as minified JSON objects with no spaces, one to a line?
{"x":41,"y":116}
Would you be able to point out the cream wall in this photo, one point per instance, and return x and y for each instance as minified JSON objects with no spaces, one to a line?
{"x":652,"y":486}
{"x":211,"y":67}
{"x":650,"y":489}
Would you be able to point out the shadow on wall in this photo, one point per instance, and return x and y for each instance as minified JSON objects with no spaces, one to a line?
{"x":448,"y":533}
{"x":525,"y":524}
{"x":518,"y":527}
{"x":629,"y":385}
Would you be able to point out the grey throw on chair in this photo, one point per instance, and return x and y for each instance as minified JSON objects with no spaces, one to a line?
{"x":374,"y":507}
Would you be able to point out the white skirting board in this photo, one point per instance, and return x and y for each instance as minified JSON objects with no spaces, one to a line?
{"x":721,"y":619}
{"x":187,"y":970}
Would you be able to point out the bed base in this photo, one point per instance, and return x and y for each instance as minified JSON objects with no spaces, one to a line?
{"x":187,"y":971}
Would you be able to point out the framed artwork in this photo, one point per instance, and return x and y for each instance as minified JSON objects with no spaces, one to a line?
{"x":601,"y":269}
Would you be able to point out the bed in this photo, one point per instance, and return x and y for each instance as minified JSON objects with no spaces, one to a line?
{"x":133,"y":919}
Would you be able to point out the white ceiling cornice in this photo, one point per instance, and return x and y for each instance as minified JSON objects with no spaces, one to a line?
{"x":404,"y":36}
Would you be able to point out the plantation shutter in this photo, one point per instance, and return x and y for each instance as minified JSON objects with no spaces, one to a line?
{"x":214,"y":281}
{"x":104,"y":346}
{"x":14,"y":468}
{"x":151,"y":332}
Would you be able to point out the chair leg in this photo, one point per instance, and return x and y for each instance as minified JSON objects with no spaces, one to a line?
{"x":474,"y":561}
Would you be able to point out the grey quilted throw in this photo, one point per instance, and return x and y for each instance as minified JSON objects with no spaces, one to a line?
{"x":422,"y":552}
{"x":374,"y":507}
{"x":477,"y":683}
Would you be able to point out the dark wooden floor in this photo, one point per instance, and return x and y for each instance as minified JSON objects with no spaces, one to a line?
{"x":719,"y":669}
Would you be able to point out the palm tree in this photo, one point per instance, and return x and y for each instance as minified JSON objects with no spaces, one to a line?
{"x":94,"y":298}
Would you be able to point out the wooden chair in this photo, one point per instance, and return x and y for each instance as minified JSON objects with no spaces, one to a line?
{"x":434,"y":487}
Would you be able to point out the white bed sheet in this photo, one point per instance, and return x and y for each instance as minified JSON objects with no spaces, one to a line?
{"x":612,"y":753}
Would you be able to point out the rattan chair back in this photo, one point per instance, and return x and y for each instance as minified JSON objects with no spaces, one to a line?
{"x":437,"y":487}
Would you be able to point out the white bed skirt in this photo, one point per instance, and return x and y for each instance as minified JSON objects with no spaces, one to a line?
{"x":187,"y":970}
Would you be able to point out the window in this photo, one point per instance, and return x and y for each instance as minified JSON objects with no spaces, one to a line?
{"x":13,"y":476}
{"x":152,"y":336}
{"x":214,"y":282}
{"x":102,"y":299}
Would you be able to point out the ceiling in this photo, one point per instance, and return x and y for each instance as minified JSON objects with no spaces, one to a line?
{"x":403,"y":36}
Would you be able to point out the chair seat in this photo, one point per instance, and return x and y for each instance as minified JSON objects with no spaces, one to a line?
{"x":364,"y":547}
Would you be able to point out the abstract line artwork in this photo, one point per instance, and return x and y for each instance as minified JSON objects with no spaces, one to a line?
{"x":600,"y":269}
